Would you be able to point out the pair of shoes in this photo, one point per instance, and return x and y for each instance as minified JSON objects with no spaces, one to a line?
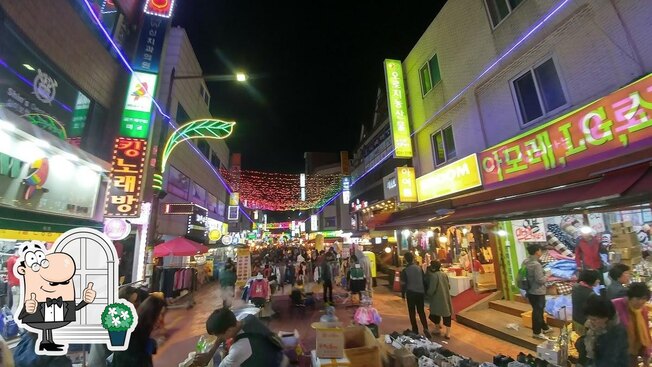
{"x":540,"y":336}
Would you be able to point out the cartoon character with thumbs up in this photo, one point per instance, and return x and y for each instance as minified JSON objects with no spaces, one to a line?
{"x":49,"y":292}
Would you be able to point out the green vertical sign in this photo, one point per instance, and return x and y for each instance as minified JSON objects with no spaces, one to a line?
{"x":138,"y":106}
{"x":398,"y":114}
{"x":79,"y":116}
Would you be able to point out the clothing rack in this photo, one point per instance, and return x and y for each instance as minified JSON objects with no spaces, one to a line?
{"x":132,"y":283}
{"x":162,"y":284}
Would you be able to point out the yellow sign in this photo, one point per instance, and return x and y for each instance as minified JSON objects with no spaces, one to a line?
{"x":10,"y":234}
{"x":234,"y":199}
{"x":214,"y":235}
{"x":460,"y":175}
{"x":407,"y":192}
{"x":398,"y":112}
{"x":372,"y":260}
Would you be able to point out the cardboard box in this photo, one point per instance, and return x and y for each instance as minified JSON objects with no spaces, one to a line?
{"x":616,"y":225}
{"x":631,"y":262}
{"x":627,"y":253}
{"x":328,"y":362}
{"x":361,"y":347}
{"x":330,"y":342}
{"x":548,"y":352}
{"x":526,"y":319}
{"x":624,"y":240}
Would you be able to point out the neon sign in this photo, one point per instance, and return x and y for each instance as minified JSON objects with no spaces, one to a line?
{"x":398,"y":114}
{"x":159,"y":8}
{"x":125,"y":180}
{"x":610,"y":126}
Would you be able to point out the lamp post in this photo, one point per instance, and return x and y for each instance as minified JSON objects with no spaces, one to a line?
{"x":158,"y":177}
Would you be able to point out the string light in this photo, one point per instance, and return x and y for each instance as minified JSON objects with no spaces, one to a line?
{"x":281,"y":191}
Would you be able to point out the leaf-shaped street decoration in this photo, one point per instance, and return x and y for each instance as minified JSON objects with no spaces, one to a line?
{"x":204,"y":129}
{"x":47,"y":123}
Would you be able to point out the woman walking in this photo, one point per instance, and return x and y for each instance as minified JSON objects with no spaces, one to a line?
{"x":633,"y":315}
{"x":141,"y":345}
{"x":439,"y":298}
{"x":605,"y":341}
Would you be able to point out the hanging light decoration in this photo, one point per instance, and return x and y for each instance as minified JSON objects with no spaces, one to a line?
{"x":281,"y":191}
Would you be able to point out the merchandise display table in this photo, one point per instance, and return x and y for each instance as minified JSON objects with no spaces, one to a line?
{"x":459,"y":284}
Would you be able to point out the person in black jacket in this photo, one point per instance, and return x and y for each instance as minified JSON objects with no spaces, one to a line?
{"x":141,"y":345}
{"x":605,"y":342}
{"x":588,"y":280}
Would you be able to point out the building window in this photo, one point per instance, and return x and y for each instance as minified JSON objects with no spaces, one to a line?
{"x":500,"y":9}
{"x":429,"y":75}
{"x":538,"y":92}
{"x":204,"y":95}
{"x":215,"y":161}
{"x":443,"y":145}
{"x":330,"y":222}
{"x":204,"y":148}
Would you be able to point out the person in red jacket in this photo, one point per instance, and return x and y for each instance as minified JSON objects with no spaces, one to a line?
{"x":11,"y":280}
{"x":587,"y":254}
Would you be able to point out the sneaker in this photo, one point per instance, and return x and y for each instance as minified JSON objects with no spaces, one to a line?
{"x":540,"y":336}
{"x":547,"y":331}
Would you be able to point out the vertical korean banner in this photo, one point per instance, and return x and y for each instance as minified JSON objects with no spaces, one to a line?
{"x":125,"y":179}
{"x":398,"y":114}
{"x":407,"y":187}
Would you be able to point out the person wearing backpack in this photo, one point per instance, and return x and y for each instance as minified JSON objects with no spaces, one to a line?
{"x":536,"y":290}
{"x":248,"y":334}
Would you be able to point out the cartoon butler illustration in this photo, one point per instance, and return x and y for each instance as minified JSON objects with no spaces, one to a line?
{"x":48,"y":292}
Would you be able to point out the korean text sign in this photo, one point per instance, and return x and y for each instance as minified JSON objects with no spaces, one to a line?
{"x":125,"y":180}
{"x":461,"y":175}
{"x":398,"y":113}
{"x":407,"y":192}
{"x":138,"y":106}
{"x":150,"y":44}
{"x":612,"y":125}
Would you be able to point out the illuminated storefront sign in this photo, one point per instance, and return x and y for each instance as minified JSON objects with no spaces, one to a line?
{"x":398,"y":114}
{"x":234,"y":199}
{"x":138,"y":106}
{"x":160,"y":8}
{"x":150,"y":44}
{"x":346,"y":190}
{"x":125,"y":180}
{"x":116,"y":228}
{"x":197,"y":229}
{"x":407,"y":192}
{"x":461,"y":175}
{"x":608,"y":127}
{"x":39,"y":180}
{"x":233,"y":214}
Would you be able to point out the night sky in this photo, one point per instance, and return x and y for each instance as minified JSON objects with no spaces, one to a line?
{"x":316,"y":67}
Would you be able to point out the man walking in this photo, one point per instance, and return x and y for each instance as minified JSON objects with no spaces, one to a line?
{"x":412,"y":288}
{"x":536,"y":292}
{"x":327,"y":277}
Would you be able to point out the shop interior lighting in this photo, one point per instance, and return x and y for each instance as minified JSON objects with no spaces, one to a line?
{"x":586,"y":230}
{"x":29,"y":67}
{"x":405,"y":233}
{"x":465,"y":231}
{"x":430,"y":234}
{"x":7,"y":126}
{"x":443,"y":239}
{"x":388,"y":250}
{"x":502,"y":233}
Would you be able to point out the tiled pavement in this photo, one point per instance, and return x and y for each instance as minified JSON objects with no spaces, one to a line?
{"x":186,"y":326}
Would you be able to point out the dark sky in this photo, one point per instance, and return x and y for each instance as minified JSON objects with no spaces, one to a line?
{"x":317,"y":67}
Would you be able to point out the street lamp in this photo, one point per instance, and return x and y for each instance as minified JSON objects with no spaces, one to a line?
{"x":241,"y":77}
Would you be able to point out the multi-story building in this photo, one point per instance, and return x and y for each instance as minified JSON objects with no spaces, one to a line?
{"x":524,"y":112}
{"x":60,"y":84}
{"x":189,"y":178}
{"x":333,"y":216}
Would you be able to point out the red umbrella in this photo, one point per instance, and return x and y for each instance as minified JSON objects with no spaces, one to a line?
{"x":179,"y":246}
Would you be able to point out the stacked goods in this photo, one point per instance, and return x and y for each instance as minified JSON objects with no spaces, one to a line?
{"x":624,"y":242}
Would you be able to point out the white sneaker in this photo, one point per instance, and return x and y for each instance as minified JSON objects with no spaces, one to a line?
{"x":547,"y":331}
{"x":540,"y":336}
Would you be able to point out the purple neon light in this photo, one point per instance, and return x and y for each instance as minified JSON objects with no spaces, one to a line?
{"x":170,"y":122}
{"x":28,"y":82}
{"x":522,"y":39}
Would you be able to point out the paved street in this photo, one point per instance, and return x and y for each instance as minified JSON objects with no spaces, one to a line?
{"x":187,"y":326}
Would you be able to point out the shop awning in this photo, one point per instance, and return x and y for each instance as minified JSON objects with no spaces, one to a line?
{"x":20,"y":220}
{"x":179,"y":246}
{"x":599,"y":192}
{"x":377,"y":220}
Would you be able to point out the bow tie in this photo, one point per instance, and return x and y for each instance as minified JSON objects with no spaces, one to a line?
{"x":54,"y":301}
